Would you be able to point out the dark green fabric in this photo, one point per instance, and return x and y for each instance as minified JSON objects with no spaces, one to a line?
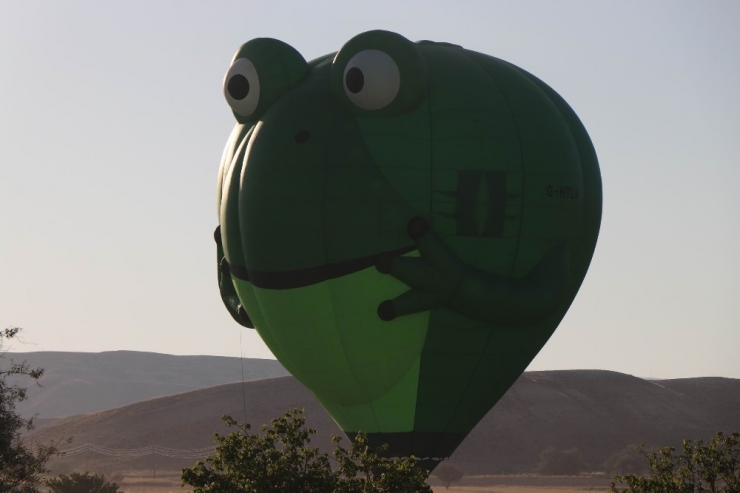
{"x":279,"y":66}
{"x":407,"y":263}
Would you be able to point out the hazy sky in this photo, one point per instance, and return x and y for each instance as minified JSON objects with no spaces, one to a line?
{"x":112,"y":124}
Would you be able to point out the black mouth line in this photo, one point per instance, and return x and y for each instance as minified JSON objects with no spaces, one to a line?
{"x":311,"y":275}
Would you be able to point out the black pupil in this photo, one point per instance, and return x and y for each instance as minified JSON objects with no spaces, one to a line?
{"x":238,"y":87}
{"x":355,"y":80}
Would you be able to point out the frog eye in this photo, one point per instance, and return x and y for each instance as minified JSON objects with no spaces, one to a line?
{"x":242,"y":87}
{"x":371,"y":79}
{"x":379,"y":73}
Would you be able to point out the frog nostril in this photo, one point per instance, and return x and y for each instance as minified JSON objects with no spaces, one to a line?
{"x":302,"y":136}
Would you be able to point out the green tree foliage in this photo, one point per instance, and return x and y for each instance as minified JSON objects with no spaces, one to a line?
{"x":627,"y":461}
{"x":280,"y":460}
{"x":448,"y":474}
{"x":20,"y":464}
{"x":701,"y":467}
{"x":81,"y":483}
{"x":554,"y":462}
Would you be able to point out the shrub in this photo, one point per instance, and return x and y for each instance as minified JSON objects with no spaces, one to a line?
{"x":280,"y":460}
{"x":627,"y":461}
{"x":448,"y":474}
{"x":555,"y":462}
{"x":700,"y":467}
{"x":81,"y":483}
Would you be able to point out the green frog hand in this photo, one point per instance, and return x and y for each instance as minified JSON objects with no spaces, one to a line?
{"x":226,"y":288}
{"x":439,"y":279}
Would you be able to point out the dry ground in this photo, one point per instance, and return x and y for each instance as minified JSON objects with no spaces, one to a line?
{"x":169,"y":482}
{"x":526,"y":484}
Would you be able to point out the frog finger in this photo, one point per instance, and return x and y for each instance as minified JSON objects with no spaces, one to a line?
{"x":231,"y":299}
{"x":414,"y":271}
{"x":244,"y":317}
{"x":224,"y":279}
{"x":226,"y":287}
{"x":410,"y":302}
{"x":434,"y":250}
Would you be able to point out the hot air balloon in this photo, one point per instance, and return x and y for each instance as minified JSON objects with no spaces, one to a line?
{"x":404,"y":224}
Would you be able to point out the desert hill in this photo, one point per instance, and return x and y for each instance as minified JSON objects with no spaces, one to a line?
{"x":84,"y":383}
{"x":599,"y":412}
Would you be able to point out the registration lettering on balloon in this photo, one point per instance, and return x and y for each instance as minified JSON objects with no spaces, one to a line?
{"x":562,"y":192}
{"x":383,"y":227}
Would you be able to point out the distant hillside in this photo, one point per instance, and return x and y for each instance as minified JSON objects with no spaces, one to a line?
{"x":599,"y":412}
{"x":83,"y":383}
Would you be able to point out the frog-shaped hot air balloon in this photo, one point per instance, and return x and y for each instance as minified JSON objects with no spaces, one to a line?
{"x":404,"y":224}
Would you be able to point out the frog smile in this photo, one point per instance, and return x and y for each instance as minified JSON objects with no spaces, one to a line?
{"x":313,"y":275}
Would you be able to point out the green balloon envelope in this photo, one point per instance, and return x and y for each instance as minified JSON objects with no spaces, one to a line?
{"x":404,"y":224}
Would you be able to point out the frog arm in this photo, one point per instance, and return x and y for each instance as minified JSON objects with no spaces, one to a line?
{"x":438,"y":278}
{"x":226,"y":287}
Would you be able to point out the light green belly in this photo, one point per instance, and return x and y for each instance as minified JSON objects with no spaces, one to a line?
{"x":328,"y":335}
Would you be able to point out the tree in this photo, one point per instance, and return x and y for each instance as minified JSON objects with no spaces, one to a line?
{"x":364,"y":470}
{"x":700,"y":467}
{"x":81,"y":483}
{"x":448,"y":474}
{"x":554,"y":462}
{"x":280,"y":460}
{"x":20,"y":465}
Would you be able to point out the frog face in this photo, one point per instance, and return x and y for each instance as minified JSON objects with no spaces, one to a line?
{"x":311,"y":200}
{"x":405,"y":225}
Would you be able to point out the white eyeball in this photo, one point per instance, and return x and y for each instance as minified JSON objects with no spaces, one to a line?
{"x":242,"y":87}
{"x":371,"y":79}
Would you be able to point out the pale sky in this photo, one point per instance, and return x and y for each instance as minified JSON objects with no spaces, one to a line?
{"x":112,"y":124}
